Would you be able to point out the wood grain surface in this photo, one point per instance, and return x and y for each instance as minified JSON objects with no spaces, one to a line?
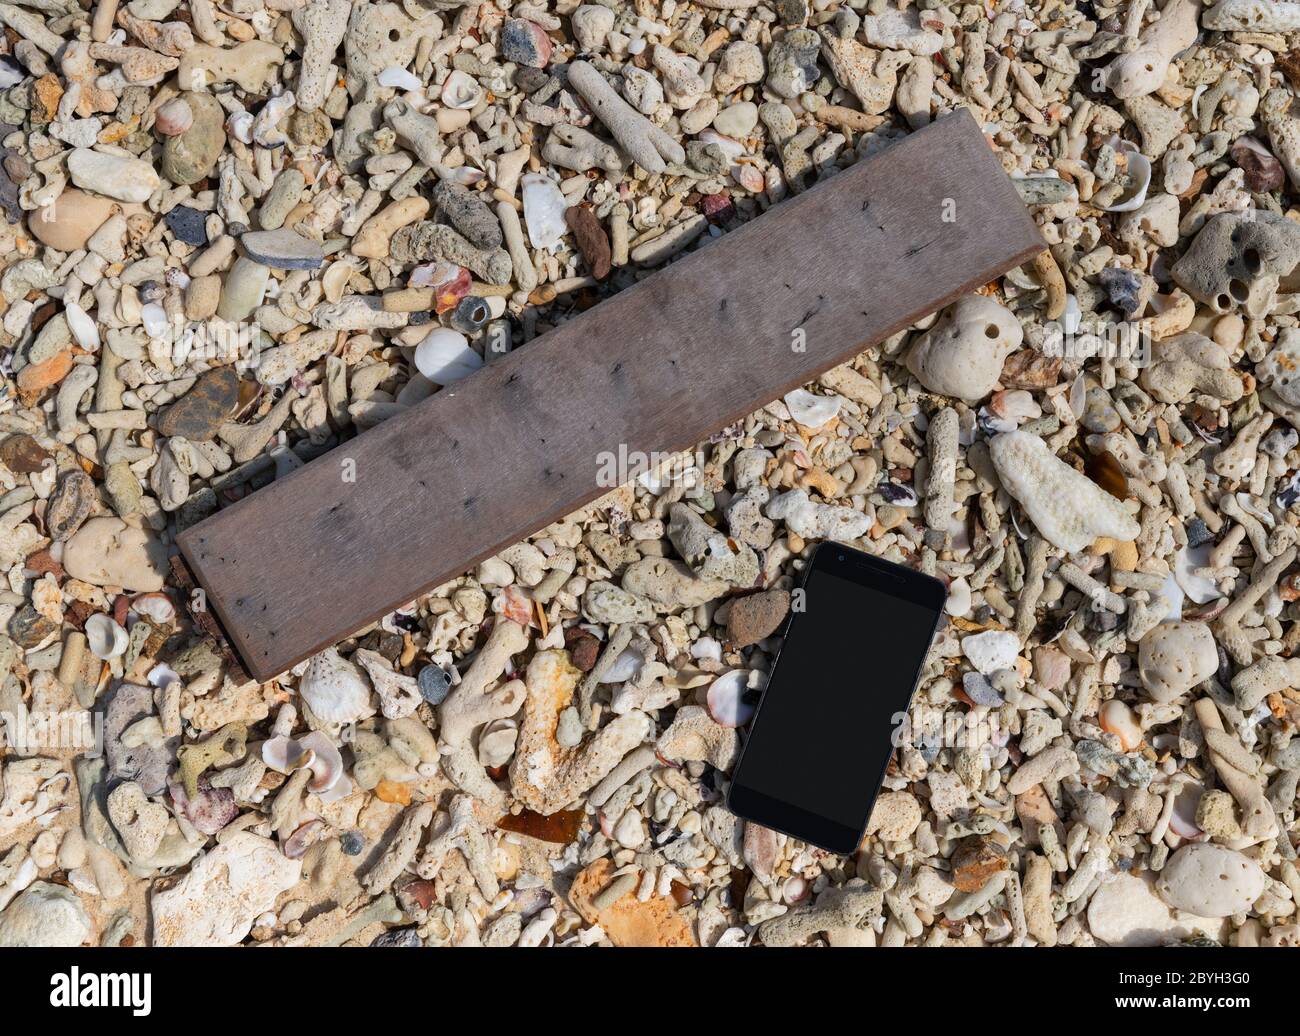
{"x":661,"y":366}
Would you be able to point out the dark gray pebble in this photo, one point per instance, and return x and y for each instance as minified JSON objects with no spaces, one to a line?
{"x":470,"y":314}
{"x":352,"y":843}
{"x":190,"y":225}
{"x":1123,"y":288}
{"x":398,"y":937}
{"x":1198,"y":533}
{"x":434,"y":684}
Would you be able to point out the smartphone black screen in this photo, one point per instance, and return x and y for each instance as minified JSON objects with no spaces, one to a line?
{"x":822,"y":735}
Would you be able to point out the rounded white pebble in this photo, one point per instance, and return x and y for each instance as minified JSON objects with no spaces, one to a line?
{"x":154,"y":318}
{"x":83,"y":329}
{"x":445,"y":356}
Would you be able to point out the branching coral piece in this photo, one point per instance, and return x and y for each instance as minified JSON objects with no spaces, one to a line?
{"x":648,"y":145}
{"x":1258,"y":821}
{"x":475,"y":701}
{"x":546,"y":776}
{"x":461,"y":829}
{"x":401,"y":850}
{"x":853,"y":906}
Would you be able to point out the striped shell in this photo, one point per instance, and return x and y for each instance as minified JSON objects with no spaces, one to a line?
{"x":335,"y":690}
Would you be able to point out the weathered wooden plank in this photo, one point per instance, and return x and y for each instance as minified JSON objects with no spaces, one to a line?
{"x":661,"y":366}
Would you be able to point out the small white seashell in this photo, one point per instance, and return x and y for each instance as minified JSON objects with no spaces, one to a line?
{"x":266,"y":132}
{"x":341,"y":790}
{"x":707,"y":647}
{"x":1139,"y":168}
{"x":1247,"y":504}
{"x":748,"y":177}
{"x":326,"y":763}
{"x":1118,"y":719}
{"x":544,"y":207}
{"x":1201,"y":589}
{"x":1079,"y":395}
{"x":105,"y":637}
{"x":335,"y":690}
{"x":1174,"y":597}
{"x":154,"y":318}
{"x":1072,"y":318}
{"x":994,"y":423}
{"x":630,"y":831}
{"x":959,"y":597}
{"x":625,"y":667}
{"x":427,"y":275}
{"x":284,"y":754}
{"x":174,"y":118}
{"x":240,"y":126}
{"x":809,"y":410}
{"x":726,"y":699}
{"x":399,"y":78}
{"x":163,"y":675}
{"x":1015,"y":406}
{"x":729,"y":146}
{"x":399,"y":694}
{"x":11,"y":74}
{"x":466,"y":175}
{"x":1182,"y":820}
{"x":496,"y":745}
{"x":460,"y":90}
{"x":83,"y":329}
{"x":156,"y":607}
{"x":444,"y":356}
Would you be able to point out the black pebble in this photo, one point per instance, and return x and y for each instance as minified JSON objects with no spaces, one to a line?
{"x":1123,"y":288}
{"x":352,"y":843}
{"x":188,"y":225}
{"x":398,"y":937}
{"x":1197,"y":533}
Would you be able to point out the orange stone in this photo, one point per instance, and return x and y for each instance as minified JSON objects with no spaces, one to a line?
{"x":35,"y":378}
{"x":394,"y":792}
{"x":47,"y":92}
{"x":116,"y":132}
{"x":1034,"y":809}
{"x":628,"y":921}
{"x":975,"y":862}
{"x":43,"y":562}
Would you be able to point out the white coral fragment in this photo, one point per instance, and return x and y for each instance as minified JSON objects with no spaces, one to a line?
{"x":1068,"y":508}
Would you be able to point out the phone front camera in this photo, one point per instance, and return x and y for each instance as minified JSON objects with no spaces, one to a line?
{"x":841,"y":557}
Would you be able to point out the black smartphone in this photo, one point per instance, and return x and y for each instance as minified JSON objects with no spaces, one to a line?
{"x":822,"y":736}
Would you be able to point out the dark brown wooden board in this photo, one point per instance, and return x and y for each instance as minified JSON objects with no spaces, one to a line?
{"x":659,"y":367}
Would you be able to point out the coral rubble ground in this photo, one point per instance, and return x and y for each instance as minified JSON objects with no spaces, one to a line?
{"x":239,"y":232}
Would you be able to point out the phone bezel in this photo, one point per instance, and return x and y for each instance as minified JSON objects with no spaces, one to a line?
{"x":875,"y":573}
